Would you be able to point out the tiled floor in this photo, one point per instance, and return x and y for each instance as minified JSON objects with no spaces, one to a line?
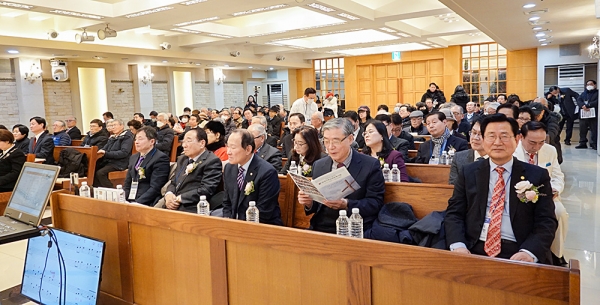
{"x":581,"y":198}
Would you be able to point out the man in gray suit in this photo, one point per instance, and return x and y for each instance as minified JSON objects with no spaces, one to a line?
{"x":265,"y":152}
{"x":476,"y":152}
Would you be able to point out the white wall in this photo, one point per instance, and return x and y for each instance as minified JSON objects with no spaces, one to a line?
{"x":549,"y":56}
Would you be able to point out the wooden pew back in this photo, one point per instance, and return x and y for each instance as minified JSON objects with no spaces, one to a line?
{"x":92,"y":156}
{"x":429,"y":173}
{"x":173,"y":149}
{"x":76,"y":142}
{"x":148,"y":261}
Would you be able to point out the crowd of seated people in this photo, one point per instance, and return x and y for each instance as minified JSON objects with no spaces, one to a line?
{"x":233,"y":156}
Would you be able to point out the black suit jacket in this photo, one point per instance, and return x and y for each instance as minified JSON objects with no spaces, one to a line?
{"x":567,"y":99}
{"x":265,"y":194}
{"x":203,"y":180}
{"x":400,"y":145}
{"x":533,"y":224}
{"x":461,"y":158}
{"x":118,"y":150}
{"x":164,"y":141}
{"x":287,"y":144}
{"x":10,"y":168}
{"x":44,"y":147}
{"x":360,"y":140}
{"x":98,"y":139}
{"x":74,"y":133}
{"x":366,"y":170}
{"x":271,"y":155}
{"x":274,"y":128}
{"x":156,"y":166}
{"x":408,"y":137}
{"x":426,"y":149}
{"x":23,"y":145}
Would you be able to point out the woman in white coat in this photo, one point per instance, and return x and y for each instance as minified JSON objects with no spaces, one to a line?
{"x":330,"y":102}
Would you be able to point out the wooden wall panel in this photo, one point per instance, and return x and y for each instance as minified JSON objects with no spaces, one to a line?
{"x":259,"y":275}
{"x":305,"y":78}
{"x":521,"y":73}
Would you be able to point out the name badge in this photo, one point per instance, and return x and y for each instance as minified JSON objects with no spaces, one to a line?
{"x":133,"y":190}
{"x":434,"y":161}
{"x":484,"y":231}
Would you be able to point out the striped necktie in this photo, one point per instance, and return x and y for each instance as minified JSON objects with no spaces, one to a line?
{"x":493,"y":241}
{"x":240,"y":178}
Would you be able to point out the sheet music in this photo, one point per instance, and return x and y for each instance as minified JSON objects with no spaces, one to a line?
{"x":334,"y":185}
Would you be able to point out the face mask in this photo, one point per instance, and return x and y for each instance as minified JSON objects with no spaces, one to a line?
{"x":224,"y":117}
{"x":153,"y":120}
{"x":160,"y":124}
{"x":397,"y":109}
{"x":184,"y":120}
{"x":589,"y":88}
{"x":310,"y":100}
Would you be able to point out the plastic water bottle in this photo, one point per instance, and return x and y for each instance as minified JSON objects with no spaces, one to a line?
{"x":252,"y":212}
{"x":395,"y":173}
{"x":386,"y":172}
{"x":121,"y":193}
{"x":84,"y":190}
{"x":293,"y":168}
{"x":444,"y":158}
{"x":343,"y":224}
{"x":356,"y":224}
{"x":450,"y":157}
{"x":203,"y":207}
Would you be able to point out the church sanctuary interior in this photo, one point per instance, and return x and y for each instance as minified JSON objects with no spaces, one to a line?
{"x":177,"y":61}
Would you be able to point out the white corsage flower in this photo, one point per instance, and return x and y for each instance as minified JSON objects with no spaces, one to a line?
{"x":249,"y":189}
{"x":523,"y":186}
{"x":190,"y":168}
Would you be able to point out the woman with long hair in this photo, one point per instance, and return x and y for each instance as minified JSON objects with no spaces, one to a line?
{"x":307,"y":149}
{"x":377,"y":145}
{"x":215,"y":132}
{"x":250,"y":102}
{"x":364,"y":116}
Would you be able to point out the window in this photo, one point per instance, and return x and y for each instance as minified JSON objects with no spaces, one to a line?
{"x":329,"y":76}
{"x":484,"y":71}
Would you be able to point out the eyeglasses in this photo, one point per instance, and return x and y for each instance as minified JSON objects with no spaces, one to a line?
{"x":298,"y":142}
{"x":475,"y":134}
{"x":334,"y":142}
{"x":397,"y":129}
{"x":524,"y":119}
{"x":492,"y":138}
{"x":368,"y":132}
{"x":257,"y":137}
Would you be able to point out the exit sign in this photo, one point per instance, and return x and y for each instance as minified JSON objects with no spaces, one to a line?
{"x":396,"y":55}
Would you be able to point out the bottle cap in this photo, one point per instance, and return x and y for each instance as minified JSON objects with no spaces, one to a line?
{"x":342,"y":212}
{"x":252,"y":203}
{"x":386,"y":165}
{"x":119,"y":186}
{"x":355,"y":211}
{"x":202,"y":197}
{"x":293,"y":163}
{"x":83,"y":183}
{"x":395,"y":166}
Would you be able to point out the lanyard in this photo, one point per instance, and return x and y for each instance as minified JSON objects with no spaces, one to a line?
{"x":145,"y":158}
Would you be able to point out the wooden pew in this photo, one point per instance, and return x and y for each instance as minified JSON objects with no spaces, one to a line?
{"x":4,"y":198}
{"x":176,"y":143}
{"x":92,"y":156}
{"x":412,"y":153}
{"x":283,"y":161}
{"x":76,"y":142}
{"x":30,"y":158}
{"x":148,"y":261}
{"x":429,"y":173}
{"x":117,"y":177}
{"x":418,"y":144}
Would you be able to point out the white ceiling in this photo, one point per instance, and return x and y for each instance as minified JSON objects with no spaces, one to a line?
{"x":205,"y":32}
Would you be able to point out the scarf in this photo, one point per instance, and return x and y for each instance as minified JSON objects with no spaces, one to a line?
{"x":439,"y":142}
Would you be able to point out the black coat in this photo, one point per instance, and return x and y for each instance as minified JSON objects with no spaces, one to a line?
{"x":44,"y":147}
{"x":461,"y":99}
{"x":266,"y":185}
{"x":274,"y":126}
{"x":287,"y":144}
{"x":164,"y":141}
{"x":437,"y":95}
{"x":567,"y":99}
{"x":118,"y":150}
{"x":98,"y":139}
{"x":202,"y":181}
{"x":23,"y":145}
{"x":74,"y":133}
{"x":156,"y":171}
{"x":11,"y":164}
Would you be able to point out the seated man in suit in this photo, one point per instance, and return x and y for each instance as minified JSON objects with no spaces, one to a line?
{"x":198,"y":173}
{"x":262,"y":120}
{"x":397,"y":123}
{"x":249,"y":178}
{"x":148,"y":169}
{"x":97,"y":136}
{"x":166,"y":134}
{"x":115,"y":154}
{"x":475,"y":153}
{"x":41,"y":144}
{"x":441,"y":140}
{"x":295,"y":120}
{"x":533,"y":149}
{"x":274,"y":128}
{"x":72,"y":130}
{"x":472,"y":113}
{"x":463,"y":124}
{"x":265,"y":152}
{"x":486,"y":216}
{"x":416,"y":124}
{"x":338,"y":135}
{"x":359,"y":140}
{"x":398,"y":144}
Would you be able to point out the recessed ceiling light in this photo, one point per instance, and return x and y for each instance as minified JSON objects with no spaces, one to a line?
{"x":271,"y":68}
{"x":529,"y":5}
{"x":164,"y":61}
{"x":260,"y":9}
{"x":198,"y":64}
{"x":75,"y":14}
{"x":147,"y":12}
{"x":226,"y":66}
{"x":348,"y":16}
{"x":16,"y":5}
{"x":543,"y":39}
{"x":537,"y":28}
{"x":544,"y":44}
{"x":321,"y":7}
{"x":98,"y":57}
{"x":197,"y":21}
{"x":185,"y":31}
{"x":534,"y":18}
{"x":192,"y":2}
{"x":12,"y":52}
{"x":540,"y":34}
{"x":250,"y":67}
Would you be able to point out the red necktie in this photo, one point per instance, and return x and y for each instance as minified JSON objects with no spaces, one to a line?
{"x":531,"y":159}
{"x":34,"y":143}
{"x":492,"y":243}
